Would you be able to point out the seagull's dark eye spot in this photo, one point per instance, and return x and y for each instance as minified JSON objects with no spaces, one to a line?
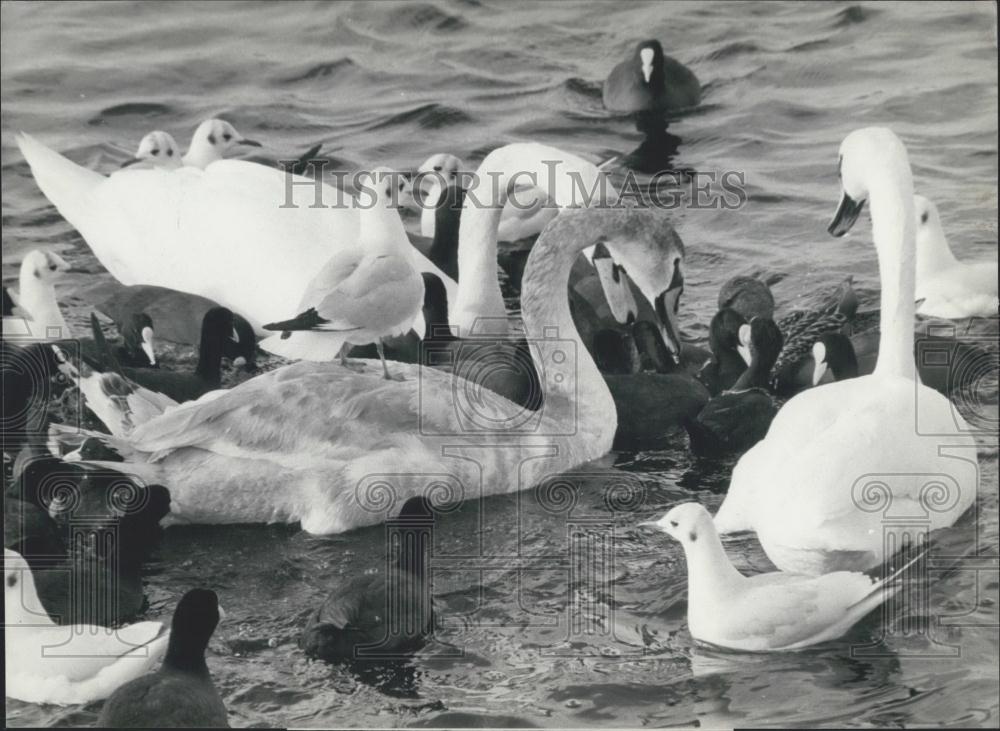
{"x":52,"y":267}
{"x":211,"y":139}
{"x":693,"y":536}
{"x":226,"y":136}
{"x":923,"y":218}
{"x":673,"y":523}
{"x":11,"y":580}
{"x":437,"y":168}
{"x":170,"y":153}
{"x":156,"y":152}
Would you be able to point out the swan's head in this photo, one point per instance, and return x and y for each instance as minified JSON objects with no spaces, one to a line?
{"x":687,"y":523}
{"x":384,"y":187}
{"x":212,"y":140}
{"x":646,"y":246}
{"x":159,"y":149}
{"x":43,"y":267}
{"x":866,"y":157}
{"x":650,"y":57}
{"x":20,"y":598}
{"x":834,"y":352}
{"x":438,"y":172}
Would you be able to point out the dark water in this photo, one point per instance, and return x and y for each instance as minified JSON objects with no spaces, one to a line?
{"x":391,"y":84}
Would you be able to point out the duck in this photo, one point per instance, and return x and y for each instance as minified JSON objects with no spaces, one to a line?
{"x":776,"y":611}
{"x":650,"y":81}
{"x":296,"y":444}
{"x":946,"y":287}
{"x":181,"y":693}
{"x":813,"y":490}
{"x":256,"y":252}
{"x":178,"y":317}
{"x":730,"y":356}
{"x":217,"y":330}
{"x":211,"y":141}
{"x":739,"y":417}
{"x":137,"y":349}
{"x":83,"y":528}
{"x":357,"y":622}
{"x":801,"y":328}
{"x":834,"y":353}
{"x":369,"y":292}
{"x":749,"y":296}
{"x":157,"y":149}
{"x":527,"y":211}
{"x":36,"y":298}
{"x":88,"y":664}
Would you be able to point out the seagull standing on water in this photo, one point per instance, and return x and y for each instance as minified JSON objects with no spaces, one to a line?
{"x":767,"y":612}
{"x":367,"y":292}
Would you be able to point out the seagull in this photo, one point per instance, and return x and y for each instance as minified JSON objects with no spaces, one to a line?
{"x":210,"y":142}
{"x":768,"y":612}
{"x":158,"y":149}
{"x":367,"y":292}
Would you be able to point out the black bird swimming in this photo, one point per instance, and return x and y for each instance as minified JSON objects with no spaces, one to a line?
{"x":726,"y":364}
{"x":216,"y":332}
{"x":650,"y":81}
{"x":735,"y":420}
{"x":181,"y":693}
{"x":387,"y":615}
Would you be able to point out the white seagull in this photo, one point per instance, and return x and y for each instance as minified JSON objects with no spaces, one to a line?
{"x":947,"y":287}
{"x":766,"y":612}
{"x":369,"y":292}
{"x":211,"y":141}
{"x":157,"y":149}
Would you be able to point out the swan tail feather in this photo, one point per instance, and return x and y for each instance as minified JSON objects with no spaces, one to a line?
{"x":63,"y":182}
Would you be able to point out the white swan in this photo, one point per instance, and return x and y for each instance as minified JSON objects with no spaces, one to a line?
{"x":68,"y":664}
{"x":525,"y":215}
{"x":211,"y":141}
{"x":221,"y":233}
{"x":36,"y":299}
{"x":947,"y":287}
{"x":367,"y":293}
{"x":157,"y":149}
{"x":813,"y":488}
{"x":771,"y":612}
{"x":318,"y":443}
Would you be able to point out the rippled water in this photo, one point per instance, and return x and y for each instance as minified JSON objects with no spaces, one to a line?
{"x":388,"y":84}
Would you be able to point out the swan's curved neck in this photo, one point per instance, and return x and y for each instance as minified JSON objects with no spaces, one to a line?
{"x":572,"y":385}
{"x":894,"y":233}
{"x":565,"y":178}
